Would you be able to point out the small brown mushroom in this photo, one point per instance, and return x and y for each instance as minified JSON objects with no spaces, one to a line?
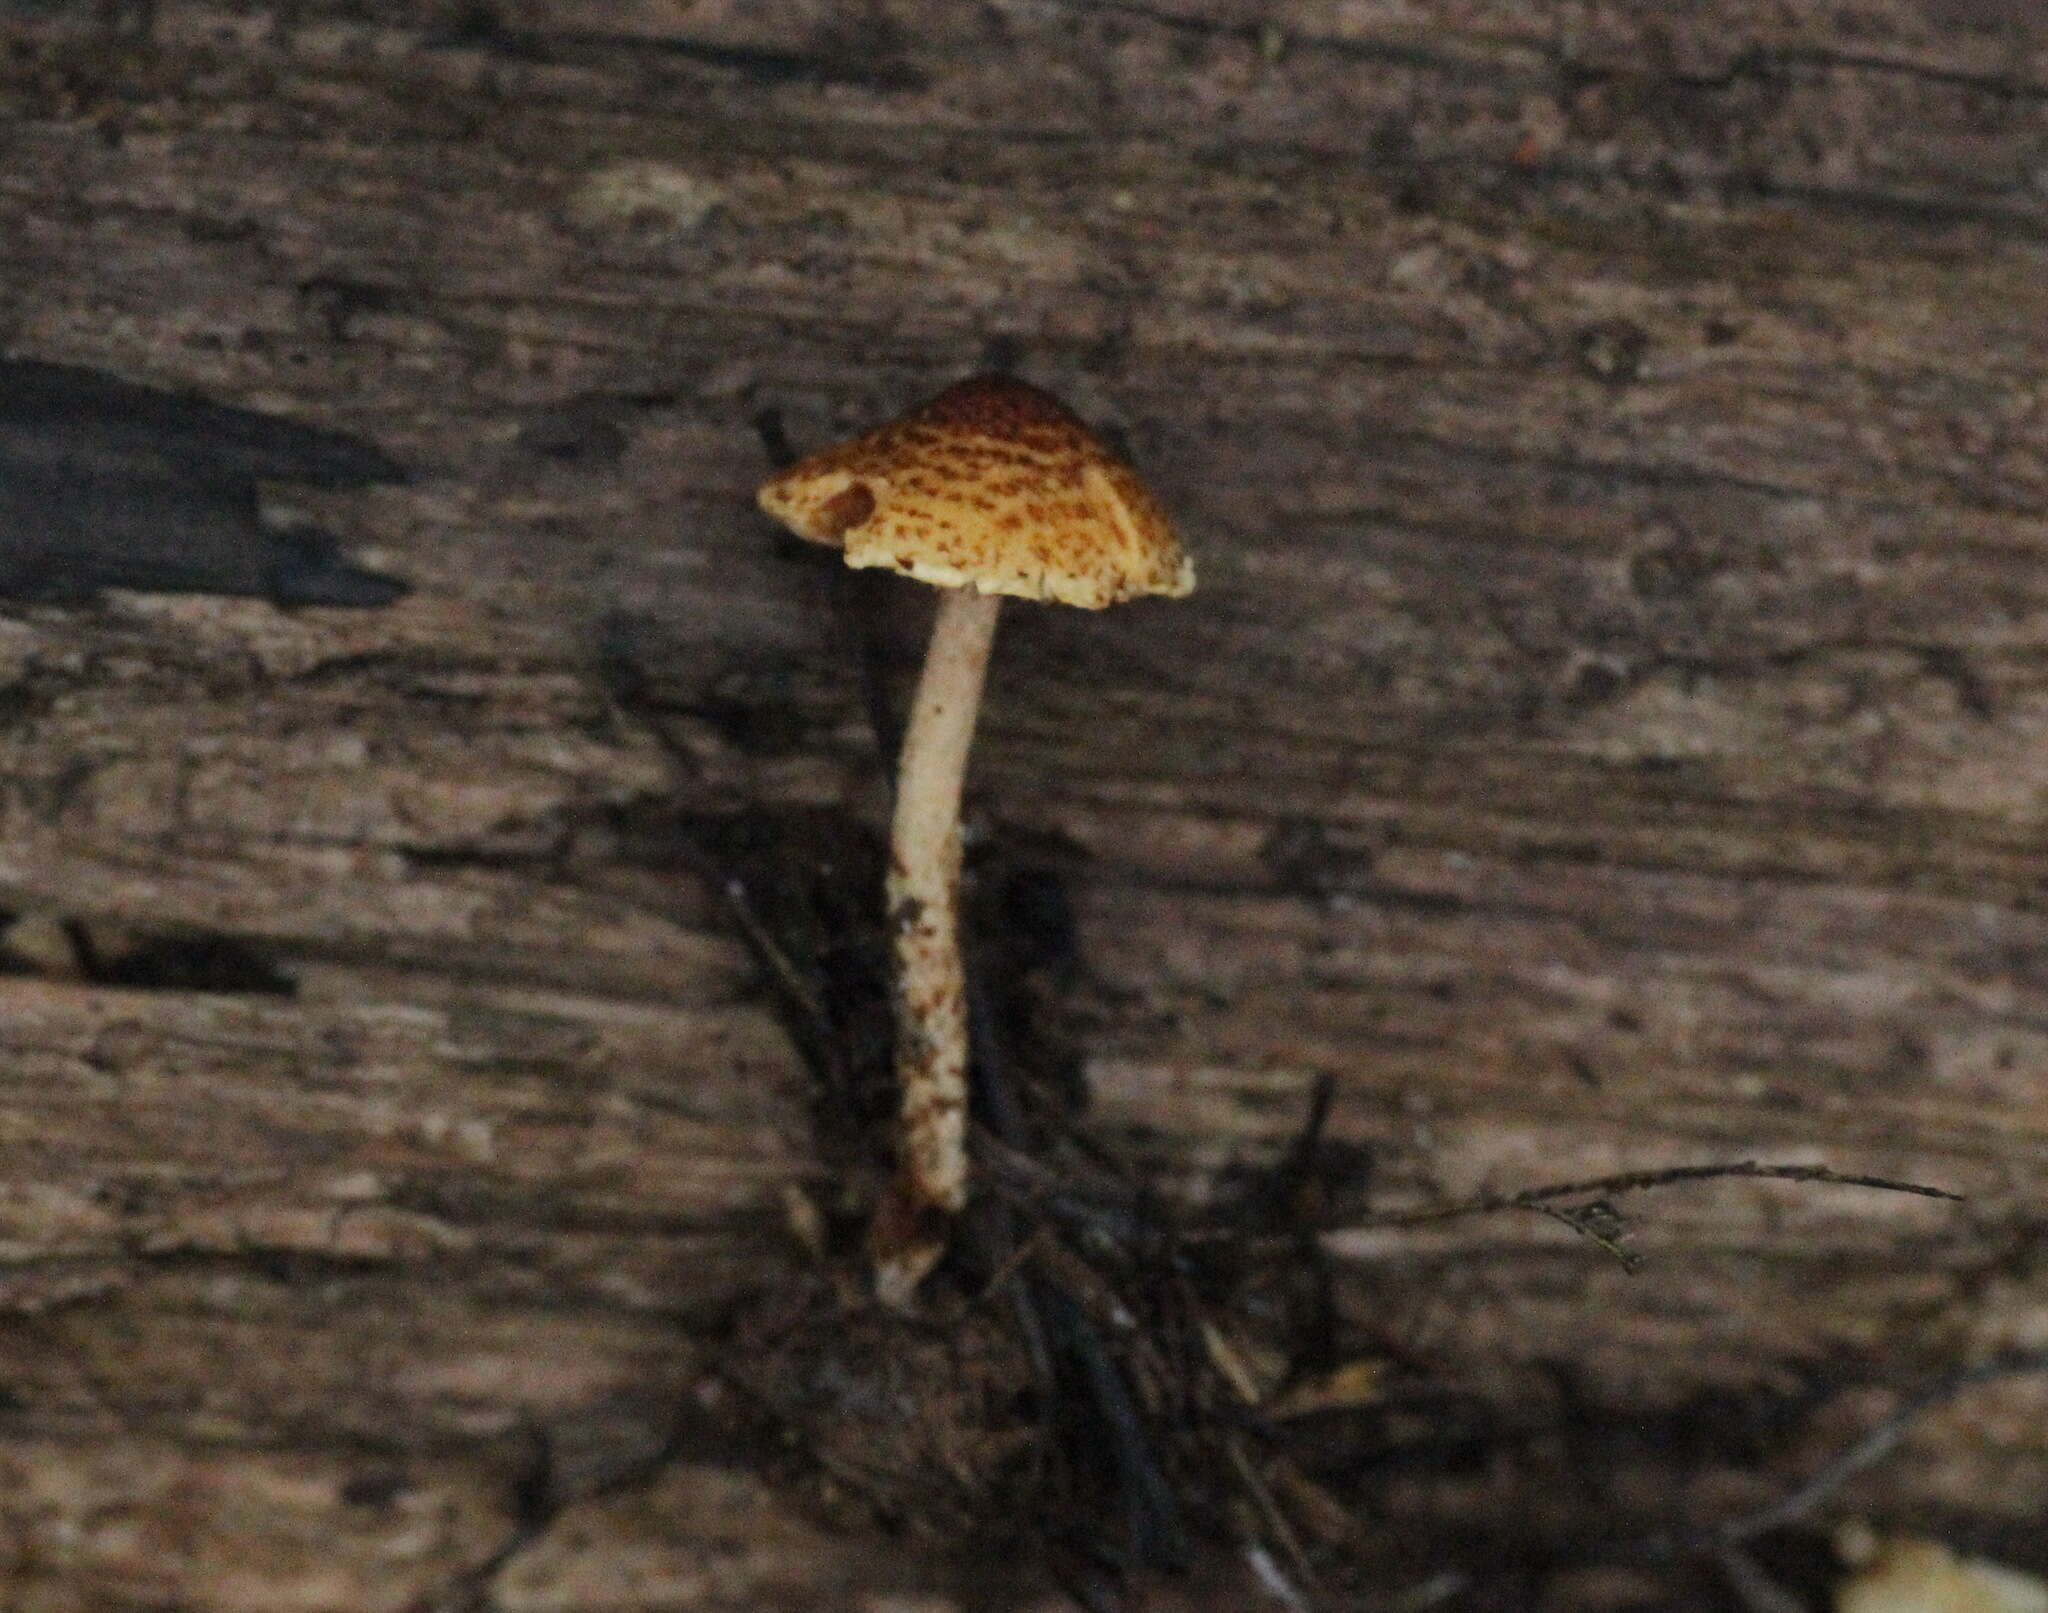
{"x":991,"y":488}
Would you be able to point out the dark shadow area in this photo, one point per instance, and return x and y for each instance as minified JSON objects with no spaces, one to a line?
{"x":52,"y":946}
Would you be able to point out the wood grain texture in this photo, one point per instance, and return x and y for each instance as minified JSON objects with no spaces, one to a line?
{"x":1612,"y":730}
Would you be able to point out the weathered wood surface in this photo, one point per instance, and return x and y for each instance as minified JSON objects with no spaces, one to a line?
{"x":1612,"y":730}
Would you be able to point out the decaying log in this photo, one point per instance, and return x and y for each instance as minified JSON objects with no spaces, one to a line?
{"x":1611,"y":733}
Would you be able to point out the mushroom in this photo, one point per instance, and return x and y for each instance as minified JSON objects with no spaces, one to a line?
{"x":991,"y":488}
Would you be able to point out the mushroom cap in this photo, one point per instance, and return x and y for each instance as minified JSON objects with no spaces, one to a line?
{"x":992,"y":485}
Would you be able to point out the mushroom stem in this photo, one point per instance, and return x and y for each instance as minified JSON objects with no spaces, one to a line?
{"x":924,"y":919}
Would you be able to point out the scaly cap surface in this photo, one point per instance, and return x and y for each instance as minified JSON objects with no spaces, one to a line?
{"x":992,"y":485}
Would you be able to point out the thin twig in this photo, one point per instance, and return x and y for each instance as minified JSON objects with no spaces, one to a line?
{"x":1153,"y":1521}
{"x":1755,"y":1589}
{"x":1642,"y":1181}
{"x":791,"y":981}
{"x":1274,"y":1583}
{"x":1292,"y":1172}
{"x":1583,"y":1226}
{"x":1277,"y":1526}
{"x":1876,"y":1444}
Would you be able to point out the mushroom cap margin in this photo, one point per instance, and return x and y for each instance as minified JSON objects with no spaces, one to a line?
{"x":992,"y":485}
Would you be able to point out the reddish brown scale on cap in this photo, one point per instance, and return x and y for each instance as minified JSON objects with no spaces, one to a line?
{"x":992,"y":485}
